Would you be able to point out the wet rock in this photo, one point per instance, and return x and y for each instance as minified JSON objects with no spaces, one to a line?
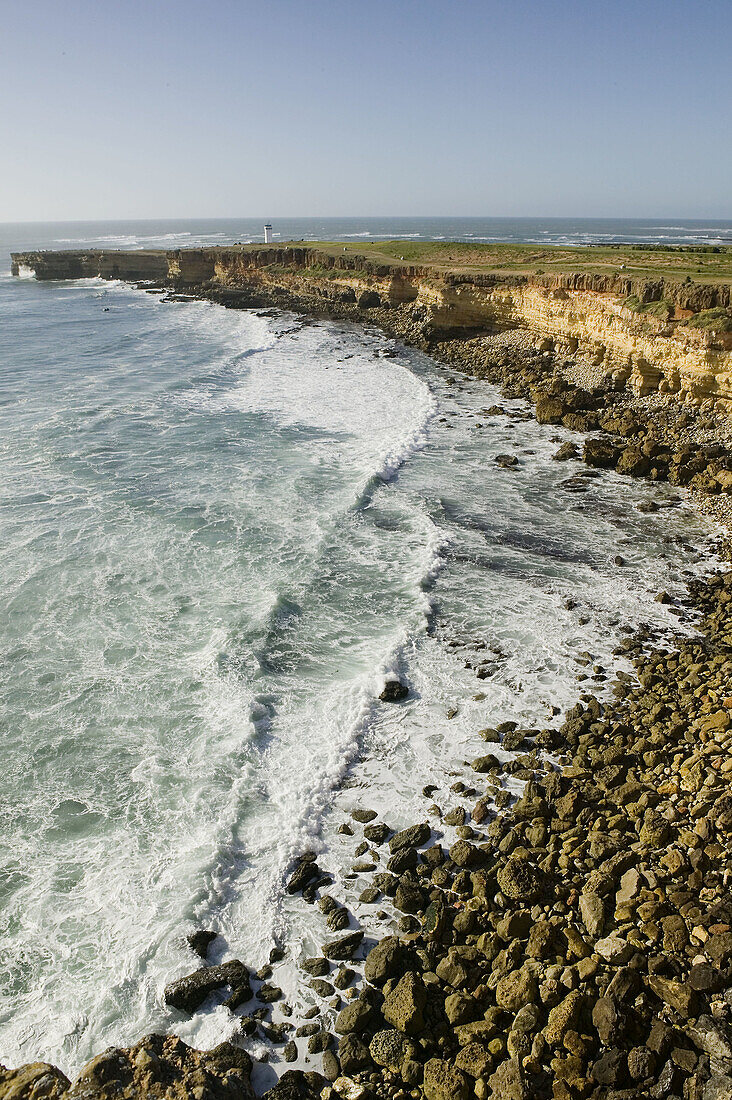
{"x":394,"y":692}
{"x":200,"y":941}
{"x":276,"y":1033}
{"x":268,"y":993}
{"x":600,"y":452}
{"x":516,"y":739}
{"x":485,"y":763}
{"x":338,"y":919}
{"x":506,"y":461}
{"x":413,"y":837}
{"x":306,"y":1030}
{"x":355,"y":1018}
{"x":289,"y":1052}
{"x":305,"y":871}
{"x":634,"y":463}
{"x":378,"y":833}
{"x":344,"y":977}
{"x":331,"y":1066}
{"x":187,"y":994}
{"x":363,"y":816}
{"x":565,"y":452}
{"x":322,"y":988}
{"x":549,"y":409}
{"x":404,"y":860}
{"x":317,"y":967}
{"x":319,"y":1041}
{"x":343,"y":948}
{"x":409,"y":898}
{"x":296,"y":1085}
{"x":465,"y":854}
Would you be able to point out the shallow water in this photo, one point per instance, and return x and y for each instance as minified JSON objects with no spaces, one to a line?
{"x":221,"y":531}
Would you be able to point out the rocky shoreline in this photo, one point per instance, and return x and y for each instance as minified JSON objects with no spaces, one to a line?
{"x":577,"y":943}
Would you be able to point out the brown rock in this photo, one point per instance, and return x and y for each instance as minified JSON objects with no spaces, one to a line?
{"x":516,"y":989}
{"x":442,"y":1081}
{"x":679,"y":995}
{"x":508,"y":1082}
{"x":404,"y":1007}
{"x":519,"y":880}
{"x":165,"y":1068}
{"x":33,"y":1081}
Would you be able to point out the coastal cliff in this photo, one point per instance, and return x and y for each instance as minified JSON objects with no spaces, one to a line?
{"x":576,"y":945}
{"x":653,"y":334}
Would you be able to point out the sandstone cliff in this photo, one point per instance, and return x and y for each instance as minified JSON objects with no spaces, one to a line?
{"x":605,"y":318}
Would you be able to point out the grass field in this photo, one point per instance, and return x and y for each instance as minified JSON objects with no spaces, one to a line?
{"x":701,"y":266}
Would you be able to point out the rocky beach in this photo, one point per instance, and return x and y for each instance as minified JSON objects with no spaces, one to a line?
{"x":573,"y":940}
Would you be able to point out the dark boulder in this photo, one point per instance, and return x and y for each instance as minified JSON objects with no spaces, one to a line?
{"x":369,"y":299}
{"x":187,"y":994}
{"x":602,"y":453}
{"x":200,"y":941}
{"x":344,"y":948}
{"x":394,"y":692}
{"x":412,"y":837}
{"x":389,"y":959}
{"x":306,"y":870}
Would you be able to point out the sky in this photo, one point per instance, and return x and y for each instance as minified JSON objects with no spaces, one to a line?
{"x":285,"y":108}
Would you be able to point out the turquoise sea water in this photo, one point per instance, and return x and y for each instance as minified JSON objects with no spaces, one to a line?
{"x":220,"y":531}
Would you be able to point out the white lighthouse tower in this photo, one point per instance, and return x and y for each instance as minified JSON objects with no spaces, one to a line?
{"x":268,"y":234}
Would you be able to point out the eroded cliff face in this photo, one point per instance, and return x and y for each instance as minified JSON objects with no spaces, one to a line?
{"x":101,"y":263}
{"x":581,"y":314}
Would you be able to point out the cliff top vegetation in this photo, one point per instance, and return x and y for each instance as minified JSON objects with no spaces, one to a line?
{"x":696,"y":264}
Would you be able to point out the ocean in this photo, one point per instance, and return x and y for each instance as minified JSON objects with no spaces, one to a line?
{"x":221,"y":531}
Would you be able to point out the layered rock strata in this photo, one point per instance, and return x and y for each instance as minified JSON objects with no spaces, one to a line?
{"x":651,"y":351}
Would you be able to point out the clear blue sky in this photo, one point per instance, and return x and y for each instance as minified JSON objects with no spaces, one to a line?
{"x":169,"y":108}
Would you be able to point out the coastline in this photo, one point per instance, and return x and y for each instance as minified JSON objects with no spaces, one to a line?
{"x":467,"y":948}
